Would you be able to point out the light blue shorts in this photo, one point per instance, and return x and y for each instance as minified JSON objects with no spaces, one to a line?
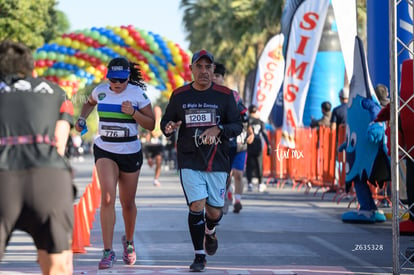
{"x":198,"y":185}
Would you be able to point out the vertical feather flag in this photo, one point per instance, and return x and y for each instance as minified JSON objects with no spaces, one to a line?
{"x":269,"y":76}
{"x":302,"y":46}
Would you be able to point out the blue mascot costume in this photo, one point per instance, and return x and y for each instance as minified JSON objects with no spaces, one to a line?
{"x":366,"y":158}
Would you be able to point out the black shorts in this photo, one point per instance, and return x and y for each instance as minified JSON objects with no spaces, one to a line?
{"x":153,"y":150}
{"x":38,"y":201}
{"x":126,"y":162}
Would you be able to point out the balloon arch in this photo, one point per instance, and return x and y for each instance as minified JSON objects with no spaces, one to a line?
{"x":78,"y":59}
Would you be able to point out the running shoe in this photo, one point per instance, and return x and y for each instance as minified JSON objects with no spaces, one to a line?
{"x":250,"y":187}
{"x":210,"y":244}
{"x":157,"y":183}
{"x":199,"y":263}
{"x":108,"y":259}
{"x":237,"y":207}
{"x":262,"y":187}
{"x":129,"y":256}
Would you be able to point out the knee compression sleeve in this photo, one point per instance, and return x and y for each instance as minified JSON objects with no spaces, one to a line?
{"x":196,"y":226}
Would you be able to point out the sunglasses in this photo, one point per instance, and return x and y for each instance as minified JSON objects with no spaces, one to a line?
{"x":120,"y":80}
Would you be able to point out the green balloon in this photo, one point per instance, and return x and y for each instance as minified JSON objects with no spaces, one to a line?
{"x":103,"y":40}
{"x":42,"y":55}
{"x":95,"y":35}
{"x":90,"y":51}
{"x":51,"y":56}
{"x":60,"y":57}
{"x":51,"y":71}
{"x":60,"y":73}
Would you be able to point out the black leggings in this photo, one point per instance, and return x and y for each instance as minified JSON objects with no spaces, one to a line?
{"x":254,"y":167}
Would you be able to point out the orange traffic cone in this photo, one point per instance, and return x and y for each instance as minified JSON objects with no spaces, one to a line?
{"x":84,"y":222}
{"x":89,"y":204}
{"x":77,"y":236}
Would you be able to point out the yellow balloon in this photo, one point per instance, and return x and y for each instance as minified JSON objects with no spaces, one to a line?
{"x":124,"y":33}
{"x":67,"y":41}
{"x":179,"y":81}
{"x":117,"y":30}
{"x":129,"y":40}
{"x":80,"y":63}
{"x":73,"y":60}
{"x":166,"y":94}
{"x":90,"y":70}
{"x":169,"y":87}
{"x":170,"y":44}
{"x":144,"y":67}
{"x":59,"y":40}
{"x":98,"y":74}
{"x":67,"y":89}
{"x":39,"y":71}
{"x":175,"y":51}
{"x":130,"y":57}
{"x":75,"y":44}
{"x":123,"y":51}
{"x":178,"y":60}
{"x":170,"y":67}
{"x":116,"y":48}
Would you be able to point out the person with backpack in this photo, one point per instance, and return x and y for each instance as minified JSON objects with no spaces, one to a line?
{"x":254,"y":162}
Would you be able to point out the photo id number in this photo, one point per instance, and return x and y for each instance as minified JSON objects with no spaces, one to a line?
{"x":368,"y":247}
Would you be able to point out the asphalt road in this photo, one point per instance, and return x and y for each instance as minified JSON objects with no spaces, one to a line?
{"x":280,"y":231}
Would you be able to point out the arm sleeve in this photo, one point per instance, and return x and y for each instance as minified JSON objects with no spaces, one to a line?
{"x":233,"y":126}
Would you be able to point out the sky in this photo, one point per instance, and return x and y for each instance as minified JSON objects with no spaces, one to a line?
{"x":163,"y":17}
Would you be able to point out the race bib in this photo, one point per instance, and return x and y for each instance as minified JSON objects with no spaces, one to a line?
{"x":114,"y":131}
{"x":200,"y":117}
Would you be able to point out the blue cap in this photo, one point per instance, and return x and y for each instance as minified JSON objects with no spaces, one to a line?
{"x":118,"y":68}
{"x":200,"y":54}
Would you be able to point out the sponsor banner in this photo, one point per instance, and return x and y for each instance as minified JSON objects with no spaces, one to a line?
{"x":304,"y":37}
{"x":269,"y":76}
{"x":345,"y":17}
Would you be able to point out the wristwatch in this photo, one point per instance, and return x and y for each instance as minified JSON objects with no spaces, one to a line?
{"x":221,"y":128}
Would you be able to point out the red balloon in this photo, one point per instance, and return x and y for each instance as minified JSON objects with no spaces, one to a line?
{"x":49,"y":63}
{"x":88,"y":41}
{"x":130,"y":28}
{"x":40,"y":63}
{"x":81,"y":37}
{"x":96,"y":44}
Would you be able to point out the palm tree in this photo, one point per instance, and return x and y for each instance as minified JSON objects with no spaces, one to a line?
{"x":234,"y":30}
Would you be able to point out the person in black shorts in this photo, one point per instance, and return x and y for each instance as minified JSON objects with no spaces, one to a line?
{"x":254,"y":161}
{"x":154,"y":147}
{"x":36,"y":189}
{"x":123,"y":107}
{"x":207,"y":117}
